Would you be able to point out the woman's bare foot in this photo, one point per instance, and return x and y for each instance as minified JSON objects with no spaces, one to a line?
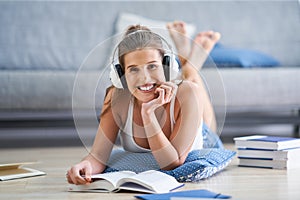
{"x":202,"y":46}
{"x":177,"y":31}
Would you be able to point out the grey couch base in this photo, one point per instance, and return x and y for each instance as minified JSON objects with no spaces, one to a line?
{"x":274,"y":100}
{"x":56,"y":128}
{"x":235,"y":88}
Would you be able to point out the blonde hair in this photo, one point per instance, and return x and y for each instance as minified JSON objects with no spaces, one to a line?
{"x":139,"y":37}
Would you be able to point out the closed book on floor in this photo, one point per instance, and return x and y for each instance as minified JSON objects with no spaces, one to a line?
{"x":274,"y":164}
{"x":11,"y":171}
{"x":269,"y":154}
{"x":267,"y":142}
{"x":184,"y":195}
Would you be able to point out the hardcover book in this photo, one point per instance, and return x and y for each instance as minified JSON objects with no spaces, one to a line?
{"x":266,"y":142}
{"x":287,"y":154}
{"x":274,"y":164}
{"x":148,"y":182}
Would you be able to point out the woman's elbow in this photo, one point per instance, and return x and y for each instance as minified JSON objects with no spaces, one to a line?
{"x":175,"y":164}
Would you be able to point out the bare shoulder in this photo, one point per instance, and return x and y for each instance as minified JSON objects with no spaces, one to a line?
{"x":108,"y":95}
{"x":116,"y":96}
{"x":188,"y":101}
{"x":116,"y":100}
{"x":186,"y":89}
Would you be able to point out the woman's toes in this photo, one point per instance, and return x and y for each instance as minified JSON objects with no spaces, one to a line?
{"x":216,"y":37}
{"x":169,"y":25}
{"x":207,"y":39}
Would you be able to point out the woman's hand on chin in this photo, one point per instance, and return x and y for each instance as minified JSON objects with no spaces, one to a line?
{"x":166,"y":91}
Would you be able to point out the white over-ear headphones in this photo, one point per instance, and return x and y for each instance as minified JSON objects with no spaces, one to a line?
{"x":170,"y":64}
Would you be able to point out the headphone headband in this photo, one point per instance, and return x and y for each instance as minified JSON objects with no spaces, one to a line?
{"x":140,"y":31}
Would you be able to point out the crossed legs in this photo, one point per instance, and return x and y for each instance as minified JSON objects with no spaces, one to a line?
{"x":192,"y":57}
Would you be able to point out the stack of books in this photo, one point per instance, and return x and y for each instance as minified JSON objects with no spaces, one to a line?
{"x":268,"y":151}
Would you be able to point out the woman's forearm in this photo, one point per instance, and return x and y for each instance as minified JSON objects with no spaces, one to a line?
{"x":162,"y":149}
{"x":97,"y":166}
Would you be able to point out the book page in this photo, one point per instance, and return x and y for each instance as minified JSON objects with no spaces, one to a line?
{"x":106,"y":182}
{"x":249,"y":137}
{"x":113,"y":177}
{"x":135,"y":187}
{"x":156,"y":181}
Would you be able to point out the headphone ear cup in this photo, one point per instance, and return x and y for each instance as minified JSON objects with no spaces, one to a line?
{"x":166,"y":66}
{"x":171,"y":67}
{"x":117,"y":76}
{"x":175,"y":67}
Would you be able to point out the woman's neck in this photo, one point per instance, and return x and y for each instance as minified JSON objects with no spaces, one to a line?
{"x":138,"y":103}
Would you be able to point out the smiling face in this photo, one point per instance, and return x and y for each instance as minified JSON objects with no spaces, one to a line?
{"x":143,"y":73}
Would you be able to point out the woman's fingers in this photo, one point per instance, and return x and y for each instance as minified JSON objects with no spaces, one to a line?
{"x":161,"y":95}
{"x":170,"y":90}
{"x":69,"y":178}
{"x":88,"y":173}
{"x":76,"y":176}
{"x":166,"y":91}
{"x":79,"y":174}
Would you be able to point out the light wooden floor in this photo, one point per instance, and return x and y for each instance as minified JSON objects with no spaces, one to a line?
{"x":239,"y":182}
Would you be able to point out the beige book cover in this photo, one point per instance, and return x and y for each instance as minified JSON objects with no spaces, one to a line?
{"x":16,"y":170}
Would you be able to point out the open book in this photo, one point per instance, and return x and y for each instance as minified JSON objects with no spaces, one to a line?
{"x":149,"y":182}
{"x":16,"y":170}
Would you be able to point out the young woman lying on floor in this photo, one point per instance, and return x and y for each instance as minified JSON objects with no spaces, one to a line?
{"x":152,"y":111}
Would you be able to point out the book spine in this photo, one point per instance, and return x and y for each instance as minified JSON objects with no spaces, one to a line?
{"x":263,"y":163}
{"x":262,"y":154}
{"x":256,"y":145}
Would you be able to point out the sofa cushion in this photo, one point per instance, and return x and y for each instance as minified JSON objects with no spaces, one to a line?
{"x":51,"y":35}
{"x":159,"y":26}
{"x":224,"y":56}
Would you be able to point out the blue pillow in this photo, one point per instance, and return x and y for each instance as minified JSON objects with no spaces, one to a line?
{"x":199,"y":164}
{"x":224,"y":56}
